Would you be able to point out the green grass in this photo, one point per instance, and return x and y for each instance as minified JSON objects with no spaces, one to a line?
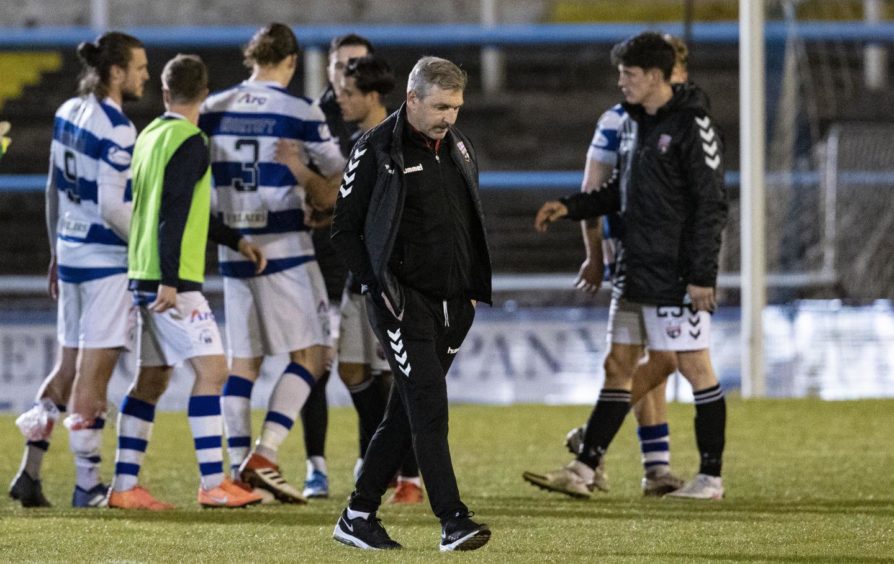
{"x":807,"y":481}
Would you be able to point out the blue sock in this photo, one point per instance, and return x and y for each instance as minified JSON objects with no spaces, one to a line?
{"x":654,"y":443}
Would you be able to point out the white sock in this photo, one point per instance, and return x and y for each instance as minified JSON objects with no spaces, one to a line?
{"x":235,"y":403}
{"x":355,"y":514}
{"x":416,"y":480}
{"x":286,"y":401}
{"x":86,"y":445}
{"x":317,"y":463}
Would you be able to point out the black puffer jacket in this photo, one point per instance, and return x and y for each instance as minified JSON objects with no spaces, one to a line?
{"x":669,"y":188}
{"x":370,"y":203}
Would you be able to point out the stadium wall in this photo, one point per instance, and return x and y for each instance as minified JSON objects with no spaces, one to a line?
{"x":34,"y":13}
{"x":551,"y":355}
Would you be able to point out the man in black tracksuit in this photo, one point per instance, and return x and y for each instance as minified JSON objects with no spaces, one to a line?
{"x":408,"y":224}
{"x":668,"y":186}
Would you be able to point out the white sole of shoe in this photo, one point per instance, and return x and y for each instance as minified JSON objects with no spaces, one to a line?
{"x":472,"y":541}
{"x":544,"y":484}
{"x":259,"y":479}
{"x":350,"y":540}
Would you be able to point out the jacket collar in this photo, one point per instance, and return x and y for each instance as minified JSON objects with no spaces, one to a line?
{"x":397,"y":133}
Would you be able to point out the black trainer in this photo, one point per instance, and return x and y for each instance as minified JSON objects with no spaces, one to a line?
{"x":363,"y":533}
{"x":28,"y":491}
{"x":461,"y":533}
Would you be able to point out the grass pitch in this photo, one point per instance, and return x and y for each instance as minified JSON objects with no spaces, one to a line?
{"x":807,"y":481}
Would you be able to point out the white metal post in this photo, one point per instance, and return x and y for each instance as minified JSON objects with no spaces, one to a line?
{"x":830,"y":203}
{"x":99,"y":15}
{"x":493,"y":71}
{"x":752,"y":121}
{"x":314,"y":71}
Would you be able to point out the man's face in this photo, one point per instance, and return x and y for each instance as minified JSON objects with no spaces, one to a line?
{"x":354,"y":104}
{"x":338,"y":60}
{"x":135,"y":75}
{"x":636,"y":84}
{"x":434,"y":114}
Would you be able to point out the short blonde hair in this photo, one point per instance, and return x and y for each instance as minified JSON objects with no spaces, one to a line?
{"x":681,"y":51}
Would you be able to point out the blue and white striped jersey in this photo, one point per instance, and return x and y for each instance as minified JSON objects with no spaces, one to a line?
{"x":253,"y":194}
{"x":90,"y":163}
{"x":604,"y":149}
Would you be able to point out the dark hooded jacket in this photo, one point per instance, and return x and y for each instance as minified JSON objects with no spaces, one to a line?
{"x":668,"y":187}
{"x":369,"y":210}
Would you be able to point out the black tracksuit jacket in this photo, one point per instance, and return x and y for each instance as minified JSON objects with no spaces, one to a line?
{"x":669,"y":188}
{"x":386,"y":253}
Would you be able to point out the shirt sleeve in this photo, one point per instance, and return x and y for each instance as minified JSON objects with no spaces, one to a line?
{"x":52,"y":209}
{"x":185,"y":168}
{"x":588,"y":205}
{"x":322,"y":148}
{"x":222,"y":234}
{"x":702,"y":154}
{"x":606,"y":139}
{"x":349,"y":218}
{"x":115,"y":207}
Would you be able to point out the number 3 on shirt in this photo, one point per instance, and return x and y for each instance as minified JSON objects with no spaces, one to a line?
{"x":248,"y":181}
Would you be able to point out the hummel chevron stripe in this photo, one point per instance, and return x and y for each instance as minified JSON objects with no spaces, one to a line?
{"x":348,"y":179}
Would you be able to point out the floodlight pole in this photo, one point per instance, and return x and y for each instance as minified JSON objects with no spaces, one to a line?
{"x":493,"y":67}
{"x":875,"y":55}
{"x":314,"y":71}
{"x":99,"y":15}
{"x":752,"y":120}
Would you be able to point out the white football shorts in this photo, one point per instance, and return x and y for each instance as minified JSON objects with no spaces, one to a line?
{"x":660,"y":328}
{"x":97,"y":314}
{"x":357,"y":343}
{"x":180,"y":333}
{"x":276,"y":313}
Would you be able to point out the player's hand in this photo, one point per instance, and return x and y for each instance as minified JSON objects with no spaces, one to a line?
{"x":589,"y":277}
{"x":165,"y":299}
{"x":254,"y":254}
{"x":53,"y":279}
{"x":548,"y":213}
{"x":702,"y":298}
{"x":290,"y":153}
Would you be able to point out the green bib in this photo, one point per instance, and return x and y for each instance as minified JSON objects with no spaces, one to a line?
{"x":153,"y":150}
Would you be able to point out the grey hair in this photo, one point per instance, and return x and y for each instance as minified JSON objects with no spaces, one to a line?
{"x":434,"y":71}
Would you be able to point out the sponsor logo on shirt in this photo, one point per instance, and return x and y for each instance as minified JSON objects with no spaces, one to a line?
{"x":246,"y":219}
{"x":197,"y":315}
{"x":415,"y":168}
{"x":74,"y":228}
{"x":251,"y":100}
{"x":118,"y":156}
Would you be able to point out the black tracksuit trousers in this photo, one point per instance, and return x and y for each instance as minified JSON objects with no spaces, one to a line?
{"x":420,"y":350}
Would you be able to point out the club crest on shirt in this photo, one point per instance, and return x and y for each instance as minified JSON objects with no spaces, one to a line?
{"x":462,"y":149}
{"x":664,"y":142}
{"x":673,"y":330}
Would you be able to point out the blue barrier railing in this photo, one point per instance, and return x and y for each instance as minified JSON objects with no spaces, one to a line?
{"x":547,"y":180}
{"x":318,"y":36}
